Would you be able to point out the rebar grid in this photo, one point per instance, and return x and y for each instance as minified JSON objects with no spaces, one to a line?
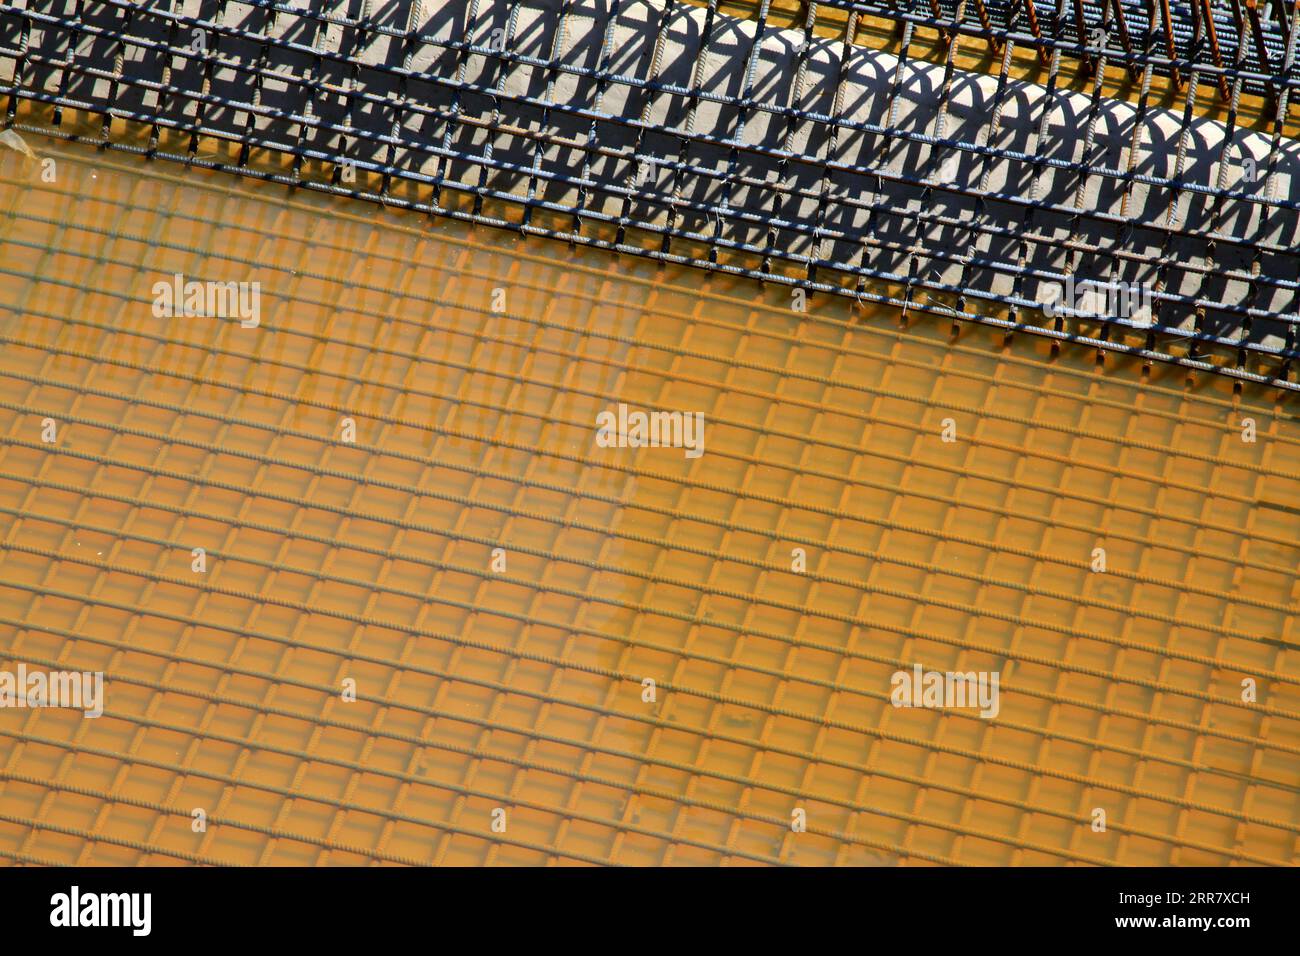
{"x":692,"y":137}
{"x":521,"y":688}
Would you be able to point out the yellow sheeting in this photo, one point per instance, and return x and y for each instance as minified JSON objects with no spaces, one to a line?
{"x":473,"y":366}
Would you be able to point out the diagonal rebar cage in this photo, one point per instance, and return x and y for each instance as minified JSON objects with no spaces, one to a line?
{"x":672,"y":130}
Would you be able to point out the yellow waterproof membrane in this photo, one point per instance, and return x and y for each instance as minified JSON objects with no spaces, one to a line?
{"x":366,"y":586}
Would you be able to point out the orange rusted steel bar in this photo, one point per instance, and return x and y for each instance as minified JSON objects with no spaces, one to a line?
{"x":1124,"y":37}
{"x":1213,"y":35}
{"x":1171,"y":50}
{"x":1081,"y":28}
{"x":994,"y":44}
{"x":1257,"y":34}
{"x":1283,"y":19}
{"x":944,"y":32}
{"x":1036,"y":30}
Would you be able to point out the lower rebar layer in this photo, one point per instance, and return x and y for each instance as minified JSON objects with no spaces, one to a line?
{"x":519,"y":684}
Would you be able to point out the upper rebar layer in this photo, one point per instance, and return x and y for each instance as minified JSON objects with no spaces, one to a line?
{"x":669,"y":130}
